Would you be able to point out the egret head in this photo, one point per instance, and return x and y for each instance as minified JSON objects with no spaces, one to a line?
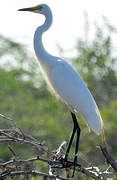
{"x":41,"y":9}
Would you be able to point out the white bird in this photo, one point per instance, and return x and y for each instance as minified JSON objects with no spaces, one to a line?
{"x":65,"y":82}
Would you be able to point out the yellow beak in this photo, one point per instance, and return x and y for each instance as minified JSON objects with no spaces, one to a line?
{"x":31,"y":8}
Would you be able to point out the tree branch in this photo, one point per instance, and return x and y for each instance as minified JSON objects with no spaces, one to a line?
{"x":55,"y":159}
{"x":109,"y":158}
{"x":32,"y":172}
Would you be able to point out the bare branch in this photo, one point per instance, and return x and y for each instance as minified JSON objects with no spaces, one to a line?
{"x":34,"y":173}
{"x":55,"y":159}
{"x":19,"y":161}
{"x":109,"y":158}
{"x":10,"y":135}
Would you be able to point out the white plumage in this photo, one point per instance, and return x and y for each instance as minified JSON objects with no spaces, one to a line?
{"x":65,"y":82}
{"x":62,"y":78}
{"x":74,"y":92}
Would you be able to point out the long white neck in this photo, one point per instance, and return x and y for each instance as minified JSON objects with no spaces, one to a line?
{"x":40,"y":51}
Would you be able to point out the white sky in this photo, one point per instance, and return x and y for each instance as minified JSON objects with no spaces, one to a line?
{"x":68,"y":20}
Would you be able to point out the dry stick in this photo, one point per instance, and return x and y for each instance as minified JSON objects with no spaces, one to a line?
{"x":89,"y":172}
{"x":27,"y":161}
{"x":7,"y":118}
{"x":13,"y":122}
{"x":5,"y":136}
{"x":34,"y":173}
{"x":20,"y":134}
{"x":15,"y":125}
{"x":85,"y":171}
{"x":56,"y":169}
{"x":10,"y":138}
{"x":11,"y":149}
{"x":109,"y":159}
{"x":14,"y":139}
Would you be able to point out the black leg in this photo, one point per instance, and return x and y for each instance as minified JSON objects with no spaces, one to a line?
{"x":76,"y":128}
{"x":70,"y":143}
{"x":77,"y":141}
{"x":77,"y":145}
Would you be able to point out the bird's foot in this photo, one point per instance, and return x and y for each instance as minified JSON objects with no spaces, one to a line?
{"x":68,"y":164}
{"x":65,"y":162}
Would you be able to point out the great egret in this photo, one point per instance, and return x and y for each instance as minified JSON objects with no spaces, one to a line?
{"x":65,"y":82}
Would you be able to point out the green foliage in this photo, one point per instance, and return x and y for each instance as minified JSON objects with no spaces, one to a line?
{"x":15,"y":57}
{"x":96,"y":63}
{"x":109,"y":114}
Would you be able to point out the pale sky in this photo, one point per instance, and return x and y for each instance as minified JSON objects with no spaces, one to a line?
{"x":68,"y":20}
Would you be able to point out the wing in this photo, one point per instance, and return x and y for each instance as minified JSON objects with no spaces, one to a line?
{"x":74,"y":92}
